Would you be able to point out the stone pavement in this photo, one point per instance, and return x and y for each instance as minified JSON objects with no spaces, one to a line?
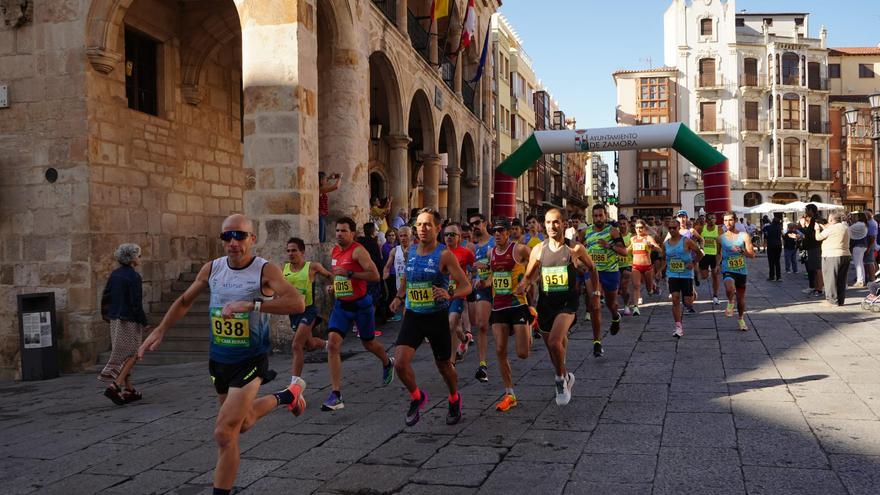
{"x":789,"y":407}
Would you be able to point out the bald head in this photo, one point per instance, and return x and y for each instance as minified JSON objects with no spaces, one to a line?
{"x":238,"y":221}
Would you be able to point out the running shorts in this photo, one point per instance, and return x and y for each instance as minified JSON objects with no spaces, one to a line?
{"x":456,"y":306}
{"x":683,"y":285}
{"x":417,"y":327}
{"x":308,"y":317}
{"x":739,"y":280}
{"x":708,"y":261}
{"x":237,"y":375}
{"x":610,"y":281}
{"x":548,"y":308}
{"x":642,"y":268}
{"x":347,"y":313}
{"x":483,"y":294}
{"x":517,"y":315}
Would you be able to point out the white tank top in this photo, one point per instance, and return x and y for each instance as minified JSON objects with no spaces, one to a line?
{"x":244,"y":335}
{"x":399,"y":264}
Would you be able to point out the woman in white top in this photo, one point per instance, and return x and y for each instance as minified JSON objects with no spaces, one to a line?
{"x":835,"y":257}
{"x":858,"y":244}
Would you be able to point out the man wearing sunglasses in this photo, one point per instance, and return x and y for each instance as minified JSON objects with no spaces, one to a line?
{"x":239,"y":344}
{"x":428,"y":270}
{"x":482,"y":294}
{"x":352,"y":269}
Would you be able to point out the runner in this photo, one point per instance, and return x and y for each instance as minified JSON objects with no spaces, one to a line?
{"x":535,"y":235}
{"x":458,"y":307}
{"x":517,"y":234}
{"x":482,"y":295}
{"x":642,"y":248}
{"x":556,"y":262}
{"x":685,"y":228}
{"x":708,"y":263}
{"x":681,"y":253}
{"x":510,"y":311}
{"x":605,"y":246}
{"x":301,"y":274}
{"x":239,"y":347}
{"x":427,"y":271}
{"x":660,"y":232}
{"x":397,"y":257}
{"x":626,"y":266}
{"x":352,"y":269}
{"x":734,"y":246}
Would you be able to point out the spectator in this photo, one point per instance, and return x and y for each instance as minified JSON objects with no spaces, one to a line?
{"x":326,"y":184}
{"x":870,"y":260}
{"x":813,"y":247}
{"x":122,"y":305}
{"x":390,"y":243}
{"x":379,"y":210}
{"x":773,"y":245}
{"x":858,"y":245}
{"x":790,"y":244}
{"x":399,"y":220}
{"x":370,"y":242}
{"x":834,"y":237}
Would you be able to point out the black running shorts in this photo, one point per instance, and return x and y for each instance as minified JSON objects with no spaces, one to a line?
{"x":237,"y":375}
{"x":434,"y":326}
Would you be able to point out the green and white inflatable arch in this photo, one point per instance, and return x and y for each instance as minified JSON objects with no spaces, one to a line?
{"x":716,"y":176}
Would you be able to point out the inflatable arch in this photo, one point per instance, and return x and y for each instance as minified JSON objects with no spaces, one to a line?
{"x":716,"y":177}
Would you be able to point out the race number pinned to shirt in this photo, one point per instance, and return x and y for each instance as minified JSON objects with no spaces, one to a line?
{"x":502,"y":283}
{"x":554,"y":278}
{"x":420,"y":295}
{"x":483,"y":272}
{"x":736,"y":262}
{"x":342,"y":286}
{"x":230,"y":332}
{"x":676,"y":265}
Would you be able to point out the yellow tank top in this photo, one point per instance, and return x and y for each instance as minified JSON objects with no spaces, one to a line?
{"x":628,"y":259}
{"x":709,"y":238}
{"x":300,"y":280}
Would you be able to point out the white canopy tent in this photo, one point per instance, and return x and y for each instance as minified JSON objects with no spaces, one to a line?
{"x":764,"y":208}
{"x":801,"y":206}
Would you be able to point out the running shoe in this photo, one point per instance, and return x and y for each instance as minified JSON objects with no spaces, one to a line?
{"x":563,"y":390}
{"x":597,"y":349}
{"x":742,"y":325}
{"x":818,"y":293}
{"x":415,"y":408}
{"x":396,"y":318}
{"x":636,"y":311}
{"x":729,"y":311}
{"x":388,"y":372}
{"x":454,"y":415}
{"x":615,"y":325}
{"x":508,"y":401}
{"x":715,"y":300}
{"x":298,"y":406}
{"x":333,"y":403}
{"x":639,"y":302}
{"x":689,"y":309}
{"x":482,"y":375}
{"x":627,"y":311}
{"x":678,"y":332}
{"x":808,"y":291}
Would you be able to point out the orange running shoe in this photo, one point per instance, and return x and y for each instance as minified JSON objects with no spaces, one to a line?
{"x":298,"y":406}
{"x":508,"y":401}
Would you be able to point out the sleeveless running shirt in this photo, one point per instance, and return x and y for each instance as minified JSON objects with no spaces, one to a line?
{"x":506,"y":275}
{"x":243,"y":335}
{"x":733,"y":262}
{"x":422,"y":275}
{"x":399,"y":264}
{"x":627,"y":260}
{"x":558,"y":274}
{"x":677,"y":259}
{"x":348,"y":289}
{"x":300,"y":280}
{"x":481,"y":253}
{"x":709,"y":237}
{"x":606,"y":259}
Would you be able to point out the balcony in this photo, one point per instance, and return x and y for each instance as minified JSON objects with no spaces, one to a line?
{"x":790,"y":80}
{"x":820,"y":84}
{"x":418,"y":35}
{"x":818,"y":172}
{"x":447,"y":71}
{"x":819,"y":127}
{"x":469,"y":93}
{"x":757,"y":126}
{"x":711,"y":127}
{"x":753,"y":80}
{"x":709,"y":82}
{"x":860,"y":190}
{"x":388,"y":8}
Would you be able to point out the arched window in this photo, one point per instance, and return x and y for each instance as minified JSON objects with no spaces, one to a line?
{"x":752,"y":199}
{"x":782,"y":198}
{"x":790,"y":68}
{"x":815,"y":198}
{"x":791,"y":158}
{"x":791,"y":111}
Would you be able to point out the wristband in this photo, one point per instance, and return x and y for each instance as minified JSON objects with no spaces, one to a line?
{"x":597,"y":293}
{"x":257,"y":304}
{"x":350,"y":273}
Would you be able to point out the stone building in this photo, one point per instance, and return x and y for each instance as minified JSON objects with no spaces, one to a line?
{"x":148,"y":121}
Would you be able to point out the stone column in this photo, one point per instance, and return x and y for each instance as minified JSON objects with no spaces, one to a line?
{"x":433,"y":47}
{"x":399,"y":167}
{"x":280,"y":122}
{"x":453,"y":193}
{"x":431,"y":180}
{"x":459,"y":66}
{"x":402,"y":18}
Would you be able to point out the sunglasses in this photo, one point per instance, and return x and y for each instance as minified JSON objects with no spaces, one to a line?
{"x":496,"y":230}
{"x":476,"y":223}
{"x":449,"y":234}
{"x":238,"y":235}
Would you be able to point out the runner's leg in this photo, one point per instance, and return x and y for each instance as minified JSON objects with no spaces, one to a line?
{"x":484,"y":308}
{"x":403,"y":356}
{"x":334,"y":359}
{"x":557,"y":341}
{"x":500,"y":332}
{"x":235,"y":407}
{"x":523,"y":340}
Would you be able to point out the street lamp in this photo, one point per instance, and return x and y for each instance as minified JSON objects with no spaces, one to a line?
{"x":852,"y":118}
{"x":874,"y":101}
{"x":687,"y":178}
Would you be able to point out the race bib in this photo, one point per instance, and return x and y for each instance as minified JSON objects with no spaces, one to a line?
{"x":342,"y":286}
{"x":502,"y":283}
{"x":230,"y":332}
{"x":420,"y":295}
{"x":638,"y":246}
{"x":676,"y":266}
{"x":452,"y":286}
{"x":736,"y":262}
{"x":483,"y":272}
{"x":554,"y":278}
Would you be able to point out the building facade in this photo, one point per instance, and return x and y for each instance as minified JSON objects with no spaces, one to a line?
{"x":853,"y":74}
{"x":148,"y":121}
{"x":755,"y":85}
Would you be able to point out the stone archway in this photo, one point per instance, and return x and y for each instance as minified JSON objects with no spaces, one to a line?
{"x":448,"y":145}
{"x":388,"y":150}
{"x":470,"y":190}
{"x":423,"y":151}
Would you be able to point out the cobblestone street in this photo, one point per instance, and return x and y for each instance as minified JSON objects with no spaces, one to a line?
{"x":792,"y":406}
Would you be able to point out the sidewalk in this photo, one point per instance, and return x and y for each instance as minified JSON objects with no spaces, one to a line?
{"x":791,"y":406}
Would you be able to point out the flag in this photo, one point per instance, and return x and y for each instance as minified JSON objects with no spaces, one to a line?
{"x":469,"y":26}
{"x":439,"y":9}
{"x":484,"y":53}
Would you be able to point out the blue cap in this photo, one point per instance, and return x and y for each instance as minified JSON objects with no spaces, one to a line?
{"x":681,"y":213}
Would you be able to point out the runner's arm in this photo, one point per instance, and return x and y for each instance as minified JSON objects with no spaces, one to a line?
{"x":617,"y":244}
{"x":370,"y":273}
{"x":386,"y":271}
{"x":178,"y":310}
{"x":319,"y":269}
{"x":287,"y":300}
{"x":462,"y":284}
{"x":581,"y":252}
{"x":750,"y":249}
{"x":400,"y":296}
{"x":531,"y":269}
{"x":695,"y":248}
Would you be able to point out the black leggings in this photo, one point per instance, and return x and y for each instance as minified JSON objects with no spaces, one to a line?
{"x":774,"y":254}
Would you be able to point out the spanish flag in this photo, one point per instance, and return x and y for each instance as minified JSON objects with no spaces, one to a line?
{"x":439,"y":9}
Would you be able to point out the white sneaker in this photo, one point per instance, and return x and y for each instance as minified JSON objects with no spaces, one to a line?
{"x":806,"y":291}
{"x":627,"y":311}
{"x":678,"y":332}
{"x":563,"y":390}
{"x":715,"y":300}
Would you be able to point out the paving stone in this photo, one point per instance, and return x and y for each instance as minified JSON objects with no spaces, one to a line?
{"x":150,"y":482}
{"x":284,"y":447}
{"x":858,"y":473}
{"x":624,"y":439}
{"x":638,"y":392}
{"x":471,"y":476}
{"x":763,"y":414}
{"x":406,"y":450}
{"x":648,"y":413}
{"x":493,"y":431}
{"x":249,"y":471}
{"x":548,"y":446}
{"x":271,"y":484}
{"x":321,"y":463}
{"x":699,"y":430}
{"x":698,"y":470}
{"x":421,"y":489}
{"x":782,"y":448}
{"x":581,"y":414}
{"x":82,"y":484}
{"x":538,"y":477}
{"x":786,"y":481}
{"x":367,"y":478}
{"x":698,"y":402}
{"x":840,"y":436}
{"x":134,"y":460}
{"x":581,"y":487}
{"x":838,"y":406}
{"x":616,"y":468}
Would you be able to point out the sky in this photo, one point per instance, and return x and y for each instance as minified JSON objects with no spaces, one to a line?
{"x":575,"y":45}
